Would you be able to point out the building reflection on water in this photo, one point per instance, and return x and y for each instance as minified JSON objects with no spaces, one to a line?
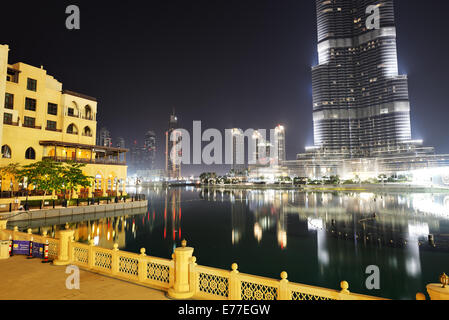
{"x":366,"y":219}
{"x":399,"y":220}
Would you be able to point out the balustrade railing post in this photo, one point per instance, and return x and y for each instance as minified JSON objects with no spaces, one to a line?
{"x":91,"y":254}
{"x":193,"y":276}
{"x":71,"y":240}
{"x":64,"y":254}
{"x":181,"y":288}
{"x":439,"y":291}
{"x":171,"y":272}
{"x":115,"y":259}
{"x":142,"y":265}
{"x":344,"y":293}
{"x":284,"y":293}
{"x":14,"y":233}
{"x":234,"y":284}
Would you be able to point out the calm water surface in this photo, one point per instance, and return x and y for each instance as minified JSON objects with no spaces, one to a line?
{"x":318,"y":238}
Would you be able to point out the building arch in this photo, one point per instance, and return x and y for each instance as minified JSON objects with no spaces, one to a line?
{"x":72,"y":129}
{"x":87,"y":132}
{"x":99,"y":178}
{"x":6,"y":152}
{"x":30,"y":154}
{"x":88,"y":112}
{"x":73,"y":109}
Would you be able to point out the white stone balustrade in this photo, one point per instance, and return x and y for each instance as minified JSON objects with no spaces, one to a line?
{"x":182,"y":278}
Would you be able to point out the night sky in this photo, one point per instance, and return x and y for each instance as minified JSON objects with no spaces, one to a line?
{"x":230,"y":63}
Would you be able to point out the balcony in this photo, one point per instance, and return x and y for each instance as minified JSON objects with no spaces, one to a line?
{"x":68,"y":114}
{"x":87,"y":117}
{"x":80,"y":116}
{"x":31,"y":126}
{"x":82,"y":153}
{"x":54,"y":130}
{"x":105,"y":161}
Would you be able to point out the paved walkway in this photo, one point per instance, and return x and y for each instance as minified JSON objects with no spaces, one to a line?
{"x":7,"y":214}
{"x":23,"y":279}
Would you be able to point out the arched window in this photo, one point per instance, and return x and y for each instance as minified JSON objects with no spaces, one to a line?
{"x":88,"y":112}
{"x":87,"y":132}
{"x":72,"y":110}
{"x":72,"y":129}
{"x":6,"y":152}
{"x":97,"y":185}
{"x":30,"y":154}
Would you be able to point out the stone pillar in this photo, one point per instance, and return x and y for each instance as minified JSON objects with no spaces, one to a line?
{"x":439,"y":291}
{"x":234,"y":284}
{"x":104,"y":186}
{"x":181,"y":289}
{"x":91,"y":259}
{"x":142,"y":265}
{"x":115,"y":259}
{"x":65,"y":238}
{"x":283,"y":287}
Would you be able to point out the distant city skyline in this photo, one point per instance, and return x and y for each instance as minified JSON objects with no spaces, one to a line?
{"x":244,"y":64}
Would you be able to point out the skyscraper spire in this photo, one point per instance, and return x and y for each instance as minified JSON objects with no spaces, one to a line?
{"x":172,"y":167}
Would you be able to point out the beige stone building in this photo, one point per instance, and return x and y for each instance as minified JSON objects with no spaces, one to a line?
{"x":43,"y":120}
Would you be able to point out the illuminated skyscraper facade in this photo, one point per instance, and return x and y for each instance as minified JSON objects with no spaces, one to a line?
{"x":238,"y":151}
{"x":172,"y":153}
{"x":149,"y":150}
{"x":280,"y":155}
{"x":361,"y":104}
{"x":104,"y":138}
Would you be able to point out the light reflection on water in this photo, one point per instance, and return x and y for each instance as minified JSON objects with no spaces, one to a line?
{"x":319,"y":238}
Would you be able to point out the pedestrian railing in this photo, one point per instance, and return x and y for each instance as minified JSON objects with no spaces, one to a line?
{"x":152,"y":271}
{"x":181,"y":277}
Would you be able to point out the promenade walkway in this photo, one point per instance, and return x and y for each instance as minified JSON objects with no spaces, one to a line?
{"x":7,"y":214}
{"x":24,"y":279}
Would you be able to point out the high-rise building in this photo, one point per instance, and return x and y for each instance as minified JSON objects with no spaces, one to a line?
{"x":149,"y":150}
{"x":238,"y":151}
{"x":361,"y":106}
{"x":135,"y":157}
{"x":121,"y":145}
{"x":280,"y":155}
{"x":361,"y":103}
{"x":121,"y":142}
{"x":256,"y":148}
{"x":142,"y":157}
{"x":172,"y":155}
{"x":104,"y":138}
